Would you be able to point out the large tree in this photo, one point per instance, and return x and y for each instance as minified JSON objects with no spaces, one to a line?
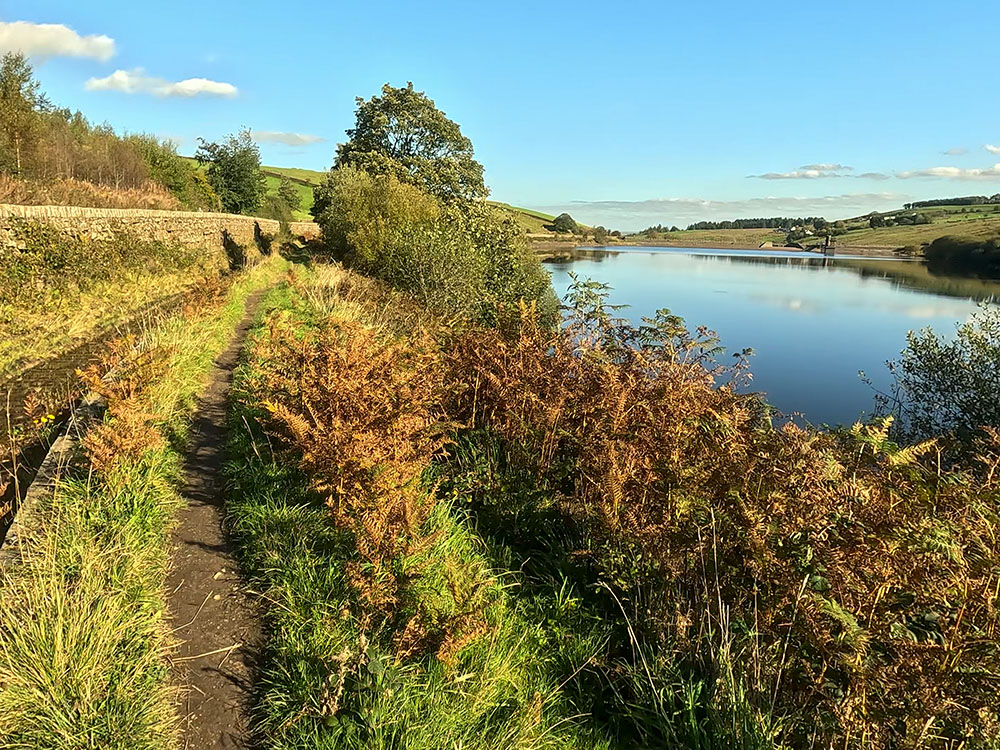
{"x":234,"y":172}
{"x":21,"y":105}
{"x":402,"y":133}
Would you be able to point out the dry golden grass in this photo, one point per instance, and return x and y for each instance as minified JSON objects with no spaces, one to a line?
{"x":360,"y":411}
{"x":859,"y":579}
{"x":69,"y":192}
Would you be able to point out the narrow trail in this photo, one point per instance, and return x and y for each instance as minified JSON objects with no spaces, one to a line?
{"x":211,"y":613}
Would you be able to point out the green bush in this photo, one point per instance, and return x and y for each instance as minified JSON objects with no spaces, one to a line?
{"x":956,"y":255}
{"x":463,"y":258}
{"x":565,"y":223}
{"x":951,"y":383}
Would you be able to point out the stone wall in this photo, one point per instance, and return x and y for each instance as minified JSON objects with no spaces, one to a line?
{"x":307,"y":229}
{"x":188,"y":228}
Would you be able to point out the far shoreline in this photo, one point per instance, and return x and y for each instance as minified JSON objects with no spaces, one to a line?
{"x":553,"y":249}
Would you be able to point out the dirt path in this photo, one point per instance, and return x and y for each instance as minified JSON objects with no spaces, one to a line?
{"x":213,"y":617}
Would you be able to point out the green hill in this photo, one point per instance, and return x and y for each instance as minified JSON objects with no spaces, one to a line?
{"x":977,"y":222}
{"x":531,"y":221}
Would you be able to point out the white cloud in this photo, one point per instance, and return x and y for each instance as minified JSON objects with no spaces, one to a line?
{"x":808,"y":172}
{"x":872,"y":176}
{"x":633,"y":215}
{"x":992,"y":149}
{"x":289,"y":139}
{"x":800,"y":174}
{"x":957,"y":151}
{"x":827,"y":168}
{"x":954,"y":173}
{"x":43,"y":40}
{"x":136,"y":81}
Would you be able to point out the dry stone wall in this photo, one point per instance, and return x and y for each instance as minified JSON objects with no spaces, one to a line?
{"x":188,"y":228}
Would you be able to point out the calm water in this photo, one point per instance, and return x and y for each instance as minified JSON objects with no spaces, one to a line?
{"x":813,"y":323}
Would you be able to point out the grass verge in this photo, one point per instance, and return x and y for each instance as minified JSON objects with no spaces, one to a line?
{"x":335,"y":675}
{"x":83,"y":642}
{"x":552,"y":661}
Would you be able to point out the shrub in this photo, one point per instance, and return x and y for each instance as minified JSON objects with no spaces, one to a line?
{"x":950,"y":384}
{"x":953,"y":254}
{"x":852,"y":582}
{"x":465,"y":259}
{"x":360,"y":413}
{"x":275,"y":207}
{"x":564,"y":223}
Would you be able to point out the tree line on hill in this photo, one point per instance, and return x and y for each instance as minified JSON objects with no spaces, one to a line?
{"x":765,"y":223}
{"x":968,"y":200}
{"x":52,"y":154}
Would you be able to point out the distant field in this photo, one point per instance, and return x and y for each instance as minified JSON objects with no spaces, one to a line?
{"x":310,"y":176}
{"x":977,"y":227}
{"x":715,"y":237}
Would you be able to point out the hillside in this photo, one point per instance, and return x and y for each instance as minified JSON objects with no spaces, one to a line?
{"x":303,"y":179}
{"x":975,"y":222}
{"x":533,"y":222}
{"x":968,"y":222}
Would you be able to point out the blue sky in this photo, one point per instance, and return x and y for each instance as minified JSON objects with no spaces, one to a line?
{"x":624,"y":114}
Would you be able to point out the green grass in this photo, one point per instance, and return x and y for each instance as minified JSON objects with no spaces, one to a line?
{"x":306,"y":176}
{"x":327,"y":680}
{"x":978,"y":227}
{"x":745,"y":238}
{"x":305,"y":196}
{"x":558,"y":666}
{"x":530,"y":221}
{"x":61,"y":291}
{"x":83,"y":637}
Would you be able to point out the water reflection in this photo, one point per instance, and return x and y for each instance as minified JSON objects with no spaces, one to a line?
{"x":813,"y":322}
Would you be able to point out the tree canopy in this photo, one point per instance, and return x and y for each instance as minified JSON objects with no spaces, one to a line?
{"x":42,"y":144}
{"x":403,"y":134}
{"x":565,"y":223}
{"x":21,"y":107}
{"x":234,"y":172}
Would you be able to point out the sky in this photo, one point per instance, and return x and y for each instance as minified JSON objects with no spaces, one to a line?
{"x":624,"y":114}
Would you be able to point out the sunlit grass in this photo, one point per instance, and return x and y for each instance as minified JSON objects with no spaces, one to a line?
{"x":83,"y":641}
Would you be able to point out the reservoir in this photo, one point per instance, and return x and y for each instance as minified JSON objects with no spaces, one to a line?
{"x":813,"y":322}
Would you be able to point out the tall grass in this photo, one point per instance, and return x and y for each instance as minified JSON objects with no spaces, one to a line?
{"x":844,"y":585}
{"x":387,"y":627}
{"x":691,"y":575}
{"x":83,"y":641}
{"x":57,"y":290}
{"x":70,"y":192}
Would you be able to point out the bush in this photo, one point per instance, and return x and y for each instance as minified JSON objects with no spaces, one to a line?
{"x":956,"y":255}
{"x":275,"y":207}
{"x":951,"y":384}
{"x":462,"y":258}
{"x":565,"y":224}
